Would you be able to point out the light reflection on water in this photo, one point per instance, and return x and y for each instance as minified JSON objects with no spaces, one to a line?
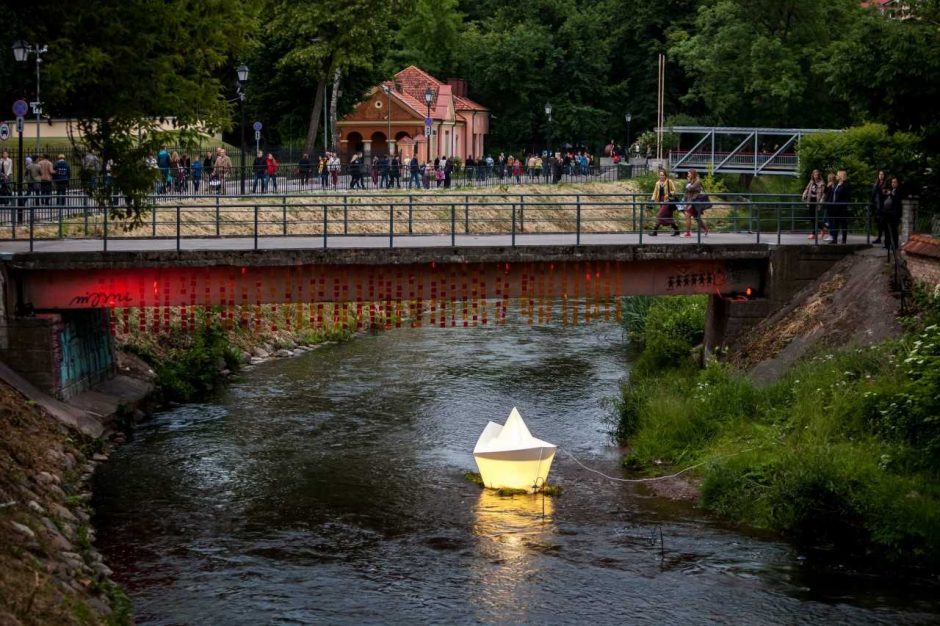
{"x":329,"y":488}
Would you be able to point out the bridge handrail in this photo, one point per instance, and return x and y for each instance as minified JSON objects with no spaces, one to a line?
{"x":455,"y":214}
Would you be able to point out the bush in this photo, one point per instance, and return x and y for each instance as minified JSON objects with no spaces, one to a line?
{"x":191,"y":368}
{"x":862,"y":151}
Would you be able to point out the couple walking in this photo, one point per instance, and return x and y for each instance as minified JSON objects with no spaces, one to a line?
{"x":693,"y":204}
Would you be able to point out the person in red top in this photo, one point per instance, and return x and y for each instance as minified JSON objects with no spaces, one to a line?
{"x":271,"y":167}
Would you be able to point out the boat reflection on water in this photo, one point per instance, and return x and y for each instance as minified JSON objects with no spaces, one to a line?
{"x":514,"y":533}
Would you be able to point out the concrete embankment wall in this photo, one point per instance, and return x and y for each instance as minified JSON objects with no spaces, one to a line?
{"x":61,"y":354}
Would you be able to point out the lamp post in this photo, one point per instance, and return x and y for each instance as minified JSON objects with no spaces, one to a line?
{"x":548,"y":131}
{"x":388,"y":114}
{"x":629,"y":118}
{"x":21,"y":51}
{"x":428,"y":98}
{"x":242,"y":72}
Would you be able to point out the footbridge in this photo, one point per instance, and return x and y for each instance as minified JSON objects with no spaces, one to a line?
{"x":367,"y":261}
{"x":734,"y":150}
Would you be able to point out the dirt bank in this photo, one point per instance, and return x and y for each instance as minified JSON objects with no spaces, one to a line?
{"x":850,"y":305}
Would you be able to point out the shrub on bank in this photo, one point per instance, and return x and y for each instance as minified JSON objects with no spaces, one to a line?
{"x":844,"y":451}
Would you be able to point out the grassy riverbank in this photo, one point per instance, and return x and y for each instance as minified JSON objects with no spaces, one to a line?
{"x":843,"y":452}
{"x":189,"y":363}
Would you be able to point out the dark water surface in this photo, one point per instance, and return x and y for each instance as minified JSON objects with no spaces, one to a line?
{"x":329,"y":488}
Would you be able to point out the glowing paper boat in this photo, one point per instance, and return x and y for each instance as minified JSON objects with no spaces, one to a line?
{"x":508,"y":456}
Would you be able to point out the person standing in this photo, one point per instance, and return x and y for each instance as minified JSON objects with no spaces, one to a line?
{"x":45,"y":180}
{"x":163,"y":163}
{"x":35,"y":179}
{"x":415,"y":170}
{"x":335,"y":165}
{"x":62,"y":172}
{"x":448,"y":171}
{"x":892,"y":213}
{"x":383,"y":172}
{"x":303,"y":168}
{"x":663,"y":191}
{"x":814,"y":195}
{"x":221,"y":168}
{"x":839,"y":209}
{"x":257,"y":173}
{"x":395,"y":172}
{"x":196,"y":173}
{"x":876,"y":205}
{"x":271,"y":167}
{"x":6,"y":177}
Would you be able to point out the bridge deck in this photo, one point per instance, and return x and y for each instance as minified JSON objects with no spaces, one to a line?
{"x":10,"y":250}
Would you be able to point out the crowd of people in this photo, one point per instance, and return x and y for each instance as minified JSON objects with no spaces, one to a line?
{"x":828,"y":202}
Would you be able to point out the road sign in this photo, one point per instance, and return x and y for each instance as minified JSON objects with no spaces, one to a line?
{"x":19,"y":124}
{"x":428,"y":121}
{"x":4,"y":131}
{"x":257,"y":126}
{"x":20,"y":107}
{"x":427,"y":131}
{"x":257,"y":135}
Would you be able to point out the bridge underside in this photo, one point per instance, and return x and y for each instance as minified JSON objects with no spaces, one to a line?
{"x":450,"y":293}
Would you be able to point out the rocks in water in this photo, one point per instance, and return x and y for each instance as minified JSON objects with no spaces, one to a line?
{"x":260,"y":353}
{"x":282,"y":353}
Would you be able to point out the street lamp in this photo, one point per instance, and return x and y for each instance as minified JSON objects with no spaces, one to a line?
{"x":388,"y":114}
{"x":428,"y":98}
{"x":548,"y":113}
{"x":21,"y":51}
{"x":242,"y":73}
{"x":629,"y":118}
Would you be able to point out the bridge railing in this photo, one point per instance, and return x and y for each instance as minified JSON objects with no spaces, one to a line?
{"x":434,"y":219}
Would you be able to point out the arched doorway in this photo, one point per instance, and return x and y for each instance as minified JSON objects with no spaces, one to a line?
{"x":379,"y":144}
{"x":353,"y":145}
{"x":404,"y":145}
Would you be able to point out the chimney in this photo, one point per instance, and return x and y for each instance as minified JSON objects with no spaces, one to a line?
{"x":458,"y":86}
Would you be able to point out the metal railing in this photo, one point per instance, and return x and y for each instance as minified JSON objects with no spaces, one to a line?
{"x":446,"y":216}
{"x":292,"y":177}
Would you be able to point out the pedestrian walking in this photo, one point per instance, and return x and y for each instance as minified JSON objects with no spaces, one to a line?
{"x":814,"y":195}
{"x":663,"y":191}
{"x":271,"y":167}
{"x":876,"y":204}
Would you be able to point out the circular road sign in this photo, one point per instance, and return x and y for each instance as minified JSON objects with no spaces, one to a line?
{"x":256,"y":125}
{"x":4,"y":131}
{"x":20,"y":107}
{"x":428,"y":122}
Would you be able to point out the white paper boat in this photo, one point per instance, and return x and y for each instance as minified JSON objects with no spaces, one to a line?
{"x":508,"y":456}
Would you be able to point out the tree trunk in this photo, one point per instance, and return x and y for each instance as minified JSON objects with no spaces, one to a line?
{"x":310,"y":143}
{"x":333,"y":98}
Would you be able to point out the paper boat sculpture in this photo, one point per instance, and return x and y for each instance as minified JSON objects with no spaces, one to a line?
{"x":508,"y":456}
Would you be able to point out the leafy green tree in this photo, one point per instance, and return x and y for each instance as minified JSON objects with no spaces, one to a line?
{"x":758,"y":62}
{"x":312,"y":46}
{"x":428,"y":36}
{"x":118,"y":67}
{"x":862,"y":151}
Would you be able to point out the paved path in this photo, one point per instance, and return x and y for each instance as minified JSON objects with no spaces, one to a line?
{"x":403,"y":241}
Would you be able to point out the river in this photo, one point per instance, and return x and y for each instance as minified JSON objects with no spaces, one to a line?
{"x":329,"y":488}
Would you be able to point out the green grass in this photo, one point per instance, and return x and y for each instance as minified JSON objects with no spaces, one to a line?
{"x":843,"y":452}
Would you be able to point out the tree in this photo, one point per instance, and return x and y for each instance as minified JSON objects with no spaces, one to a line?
{"x":428,"y":36}
{"x":312,"y":43}
{"x":117,"y":67}
{"x":758,"y":62}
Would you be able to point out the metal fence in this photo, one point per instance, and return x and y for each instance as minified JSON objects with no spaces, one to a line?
{"x":442,"y":218}
{"x":292,"y":177}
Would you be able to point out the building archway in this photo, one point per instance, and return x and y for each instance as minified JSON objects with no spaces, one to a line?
{"x":379,"y":143}
{"x":353,"y":145}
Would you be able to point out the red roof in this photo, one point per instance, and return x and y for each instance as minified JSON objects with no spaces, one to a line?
{"x":414,"y":82}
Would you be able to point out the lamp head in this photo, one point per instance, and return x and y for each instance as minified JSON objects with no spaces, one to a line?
{"x":548,"y":109}
{"x":629,"y":117}
{"x":428,"y":96}
{"x":20,"y":50}
{"x":242,"y":72}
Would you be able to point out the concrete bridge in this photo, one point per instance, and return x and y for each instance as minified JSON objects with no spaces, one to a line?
{"x":59,"y":306}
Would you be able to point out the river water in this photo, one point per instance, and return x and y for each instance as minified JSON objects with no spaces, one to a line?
{"x":329,"y":488}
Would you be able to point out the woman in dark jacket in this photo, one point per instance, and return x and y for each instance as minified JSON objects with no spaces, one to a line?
{"x":891,"y":206}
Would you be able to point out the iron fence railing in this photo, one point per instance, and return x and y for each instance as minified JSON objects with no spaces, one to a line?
{"x":293,"y":177}
{"x":445,"y":215}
